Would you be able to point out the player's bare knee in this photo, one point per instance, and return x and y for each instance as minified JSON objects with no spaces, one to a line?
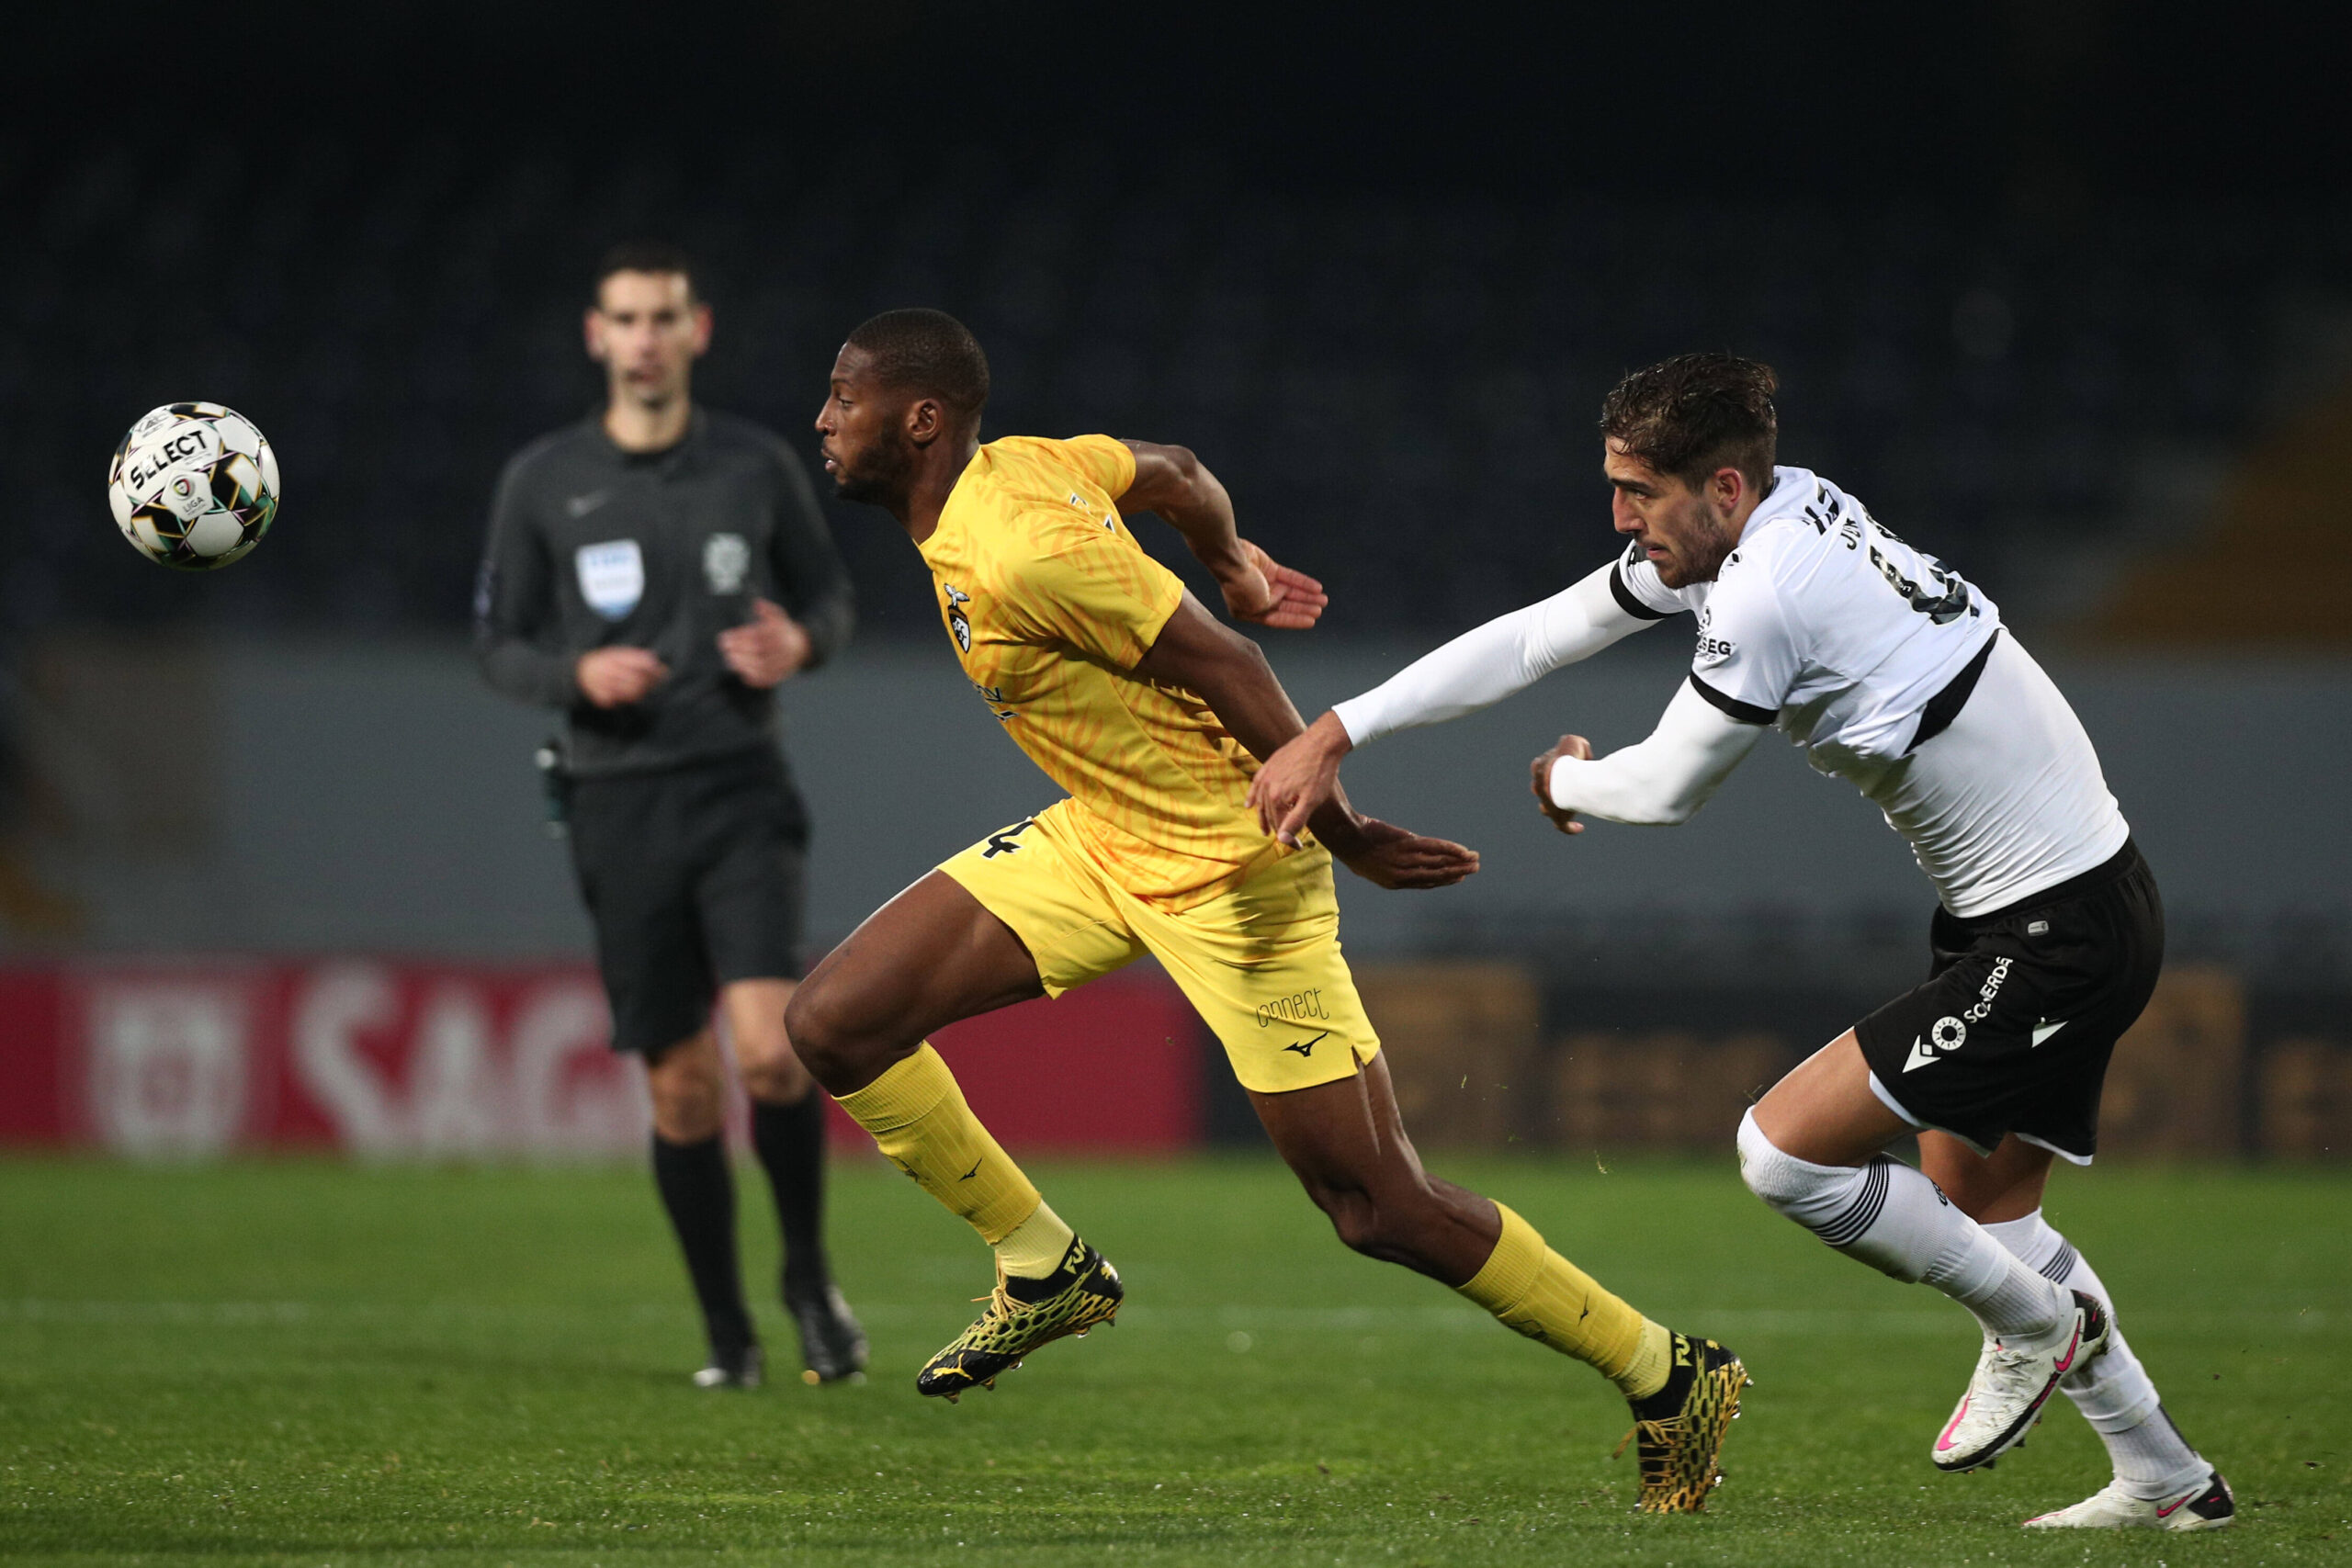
{"x":1355,"y":1217}
{"x":828,"y":1036}
{"x":813,"y":1023}
{"x":1359,"y":1224}
{"x":1367,"y":1226}
{"x":687,"y":1107}
{"x":2005,"y":1185}
{"x":1972,"y":1196}
{"x":774,"y":1074}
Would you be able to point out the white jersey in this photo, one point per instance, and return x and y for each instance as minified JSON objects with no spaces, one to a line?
{"x":1863,"y":650}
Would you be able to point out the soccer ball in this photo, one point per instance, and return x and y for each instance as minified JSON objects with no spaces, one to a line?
{"x":194,"y":486}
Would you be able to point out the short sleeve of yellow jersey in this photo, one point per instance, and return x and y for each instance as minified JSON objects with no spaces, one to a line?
{"x":1088,"y":583}
{"x":1109,"y":463}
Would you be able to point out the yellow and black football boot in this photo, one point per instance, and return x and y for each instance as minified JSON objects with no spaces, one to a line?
{"x":1678,"y":1431}
{"x":1084,"y":1291}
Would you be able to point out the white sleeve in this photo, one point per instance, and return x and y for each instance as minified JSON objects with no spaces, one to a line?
{"x":1484,"y":666}
{"x":1663,"y":780}
{"x":1748,"y":655}
{"x":1636,"y":585}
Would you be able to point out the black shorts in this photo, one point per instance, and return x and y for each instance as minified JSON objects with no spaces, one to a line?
{"x":2013,"y":1033}
{"x":692,"y":877}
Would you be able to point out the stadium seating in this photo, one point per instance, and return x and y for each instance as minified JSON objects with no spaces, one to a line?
{"x":1399,"y":392}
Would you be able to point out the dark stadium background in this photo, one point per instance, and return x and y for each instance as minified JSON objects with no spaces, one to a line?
{"x":2063,"y":289}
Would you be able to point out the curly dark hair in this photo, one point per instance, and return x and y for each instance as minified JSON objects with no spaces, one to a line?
{"x":930,"y":351}
{"x":1694,"y":414}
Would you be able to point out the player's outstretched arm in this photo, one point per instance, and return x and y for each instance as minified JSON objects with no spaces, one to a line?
{"x":1478,"y":668}
{"x":1178,"y":486}
{"x":1198,"y":652}
{"x":1661,"y":782}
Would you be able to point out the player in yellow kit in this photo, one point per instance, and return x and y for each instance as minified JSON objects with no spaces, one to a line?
{"x":1152,"y":714}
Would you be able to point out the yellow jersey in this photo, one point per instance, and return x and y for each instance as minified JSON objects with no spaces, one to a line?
{"x":1050,"y":602}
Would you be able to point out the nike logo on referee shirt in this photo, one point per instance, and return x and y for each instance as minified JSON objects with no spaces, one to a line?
{"x":582,"y":505}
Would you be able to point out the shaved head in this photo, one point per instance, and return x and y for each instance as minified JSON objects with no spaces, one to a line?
{"x":928,"y":352}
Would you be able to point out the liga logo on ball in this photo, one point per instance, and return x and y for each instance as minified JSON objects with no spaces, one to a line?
{"x":194,"y":486}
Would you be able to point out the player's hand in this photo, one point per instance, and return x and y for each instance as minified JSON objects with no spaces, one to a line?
{"x":1271,"y":595}
{"x":766,"y":650}
{"x":1300,"y":779}
{"x":1388,"y":856}
{"x":614,"y":677}
{"x":1575,"y":746}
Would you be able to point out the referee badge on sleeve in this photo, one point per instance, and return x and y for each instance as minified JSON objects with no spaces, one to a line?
{"x":612,"y":576}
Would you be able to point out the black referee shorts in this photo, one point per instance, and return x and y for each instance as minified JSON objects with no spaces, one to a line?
{"x":2013,"y":1031}
{"x":694,"y":878}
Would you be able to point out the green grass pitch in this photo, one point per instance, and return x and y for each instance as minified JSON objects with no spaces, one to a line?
{"x":311,"y":1364}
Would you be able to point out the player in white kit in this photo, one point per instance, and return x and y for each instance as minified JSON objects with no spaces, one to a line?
{"x":1891,"y":670}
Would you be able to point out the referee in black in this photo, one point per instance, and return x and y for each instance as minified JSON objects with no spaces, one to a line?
{"x":656,"y":571}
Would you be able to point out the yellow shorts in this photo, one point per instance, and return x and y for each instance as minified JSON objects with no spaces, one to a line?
{"x":1261,"y":963}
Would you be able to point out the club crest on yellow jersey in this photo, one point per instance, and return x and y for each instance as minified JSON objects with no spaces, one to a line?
{"x":957,"y":621}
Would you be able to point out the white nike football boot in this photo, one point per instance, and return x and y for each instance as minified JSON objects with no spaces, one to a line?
{"x":2005,"y":1396}
{"x":2206,"y":1505}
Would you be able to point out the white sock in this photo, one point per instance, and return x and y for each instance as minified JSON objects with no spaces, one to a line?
{"x":2152,"y":1459}
{"x":2114,"y":1393}
{"x":1898,"y":1222}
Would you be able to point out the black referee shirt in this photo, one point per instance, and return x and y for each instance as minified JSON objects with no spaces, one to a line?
{"x":591,"y":546}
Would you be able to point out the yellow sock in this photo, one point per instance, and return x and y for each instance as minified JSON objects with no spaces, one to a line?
{"x":1543,"y":1295}
{"x":1036,"y":1247}
{"x":1653,"y":1360}
{"x":920,"y":1119}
